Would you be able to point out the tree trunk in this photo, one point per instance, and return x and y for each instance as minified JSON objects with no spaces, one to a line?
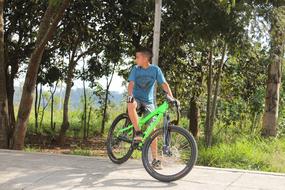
{"x":194,"y":117}
{"x":71,"y":67}
{"x":84,"y":111}
{"x":52,"y":124}
{"x":88,"y":122}
{"x":3,"y":93}
{"x":194,"y":111}
{"x":37,"y":107}
{"x":44,"y":107}
{"x":65,"y":122}
{"x":11,"y":111}
{"x":277,"y":35}
{"x":209,"y":98}
{"x":51,"y":112}
{"x":216,"y":92}
{"x":48,"y":25}
{"x":106,"y":101}
{"x":105,"y":110}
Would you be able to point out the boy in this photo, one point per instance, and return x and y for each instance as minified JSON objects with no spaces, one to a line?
{"x":140,"y":93}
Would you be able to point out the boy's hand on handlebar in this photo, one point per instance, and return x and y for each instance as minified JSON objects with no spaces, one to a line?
{"x":176,"y":102}
{"x":130,"y":99}
{"x":173,"y":100}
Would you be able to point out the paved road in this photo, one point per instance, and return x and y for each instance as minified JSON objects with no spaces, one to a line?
{"x":31,"y":171}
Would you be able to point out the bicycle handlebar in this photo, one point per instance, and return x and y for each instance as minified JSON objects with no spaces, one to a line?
{"x":176,"y":103}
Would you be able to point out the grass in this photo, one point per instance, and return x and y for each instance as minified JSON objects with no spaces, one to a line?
{"x":250,"y":154}
{"x":83,"y":152}
{"x":73,"y":151}
{"x":239,"y":145}
{"x":246,"y":153}
{"x":29,"y":148}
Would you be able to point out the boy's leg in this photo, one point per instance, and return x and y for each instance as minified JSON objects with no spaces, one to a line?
{"x":153,"y":146}
{"x":133,"y":114}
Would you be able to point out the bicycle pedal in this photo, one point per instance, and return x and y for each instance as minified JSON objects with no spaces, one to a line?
{"x":137,"y":146}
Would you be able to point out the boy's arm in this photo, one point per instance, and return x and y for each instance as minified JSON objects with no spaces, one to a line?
{"x":130,"y":98}
{"x":130,"y":88}
{"x":166,"y":88}
{"x":161,"y":80}
{"x":131,"y":80}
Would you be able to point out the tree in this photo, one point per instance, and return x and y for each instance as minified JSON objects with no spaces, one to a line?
{"x":50,"y":73}
{"x":20,"y":36}
{"x":277,"y":35}
{"x":208,"y":126}
{"x":52,"y":93}
{"x":53,"y":15}
{"x":243,"y":87}
{"x":3,"y":93}
{"x":211,"y":106}
{"x":85,"y":106}
{"x":37,"y":105}
{"x":194,"y":107}
{"x":45,"y":102}
{"x":109,"y":74}
{"x":77,"y":38}
{"x":201,"y":24}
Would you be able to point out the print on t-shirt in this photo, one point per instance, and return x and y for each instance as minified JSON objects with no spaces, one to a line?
{"x":144,"y":81}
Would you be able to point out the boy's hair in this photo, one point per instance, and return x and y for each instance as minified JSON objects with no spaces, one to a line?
{"x":146,"y":51}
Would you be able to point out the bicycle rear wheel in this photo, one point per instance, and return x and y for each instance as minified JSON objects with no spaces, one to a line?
{"x":177,"y":159}
{"x":119,"y":141}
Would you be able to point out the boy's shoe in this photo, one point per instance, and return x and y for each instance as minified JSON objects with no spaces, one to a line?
{"x":137,"y":140}
{"x":156,"y":164}
{"x":138,"y":136}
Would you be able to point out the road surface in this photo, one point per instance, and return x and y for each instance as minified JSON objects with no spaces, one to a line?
{"x":30,"y":171}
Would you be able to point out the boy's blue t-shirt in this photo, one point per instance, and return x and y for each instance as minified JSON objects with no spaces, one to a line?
{"x":144,"y":80}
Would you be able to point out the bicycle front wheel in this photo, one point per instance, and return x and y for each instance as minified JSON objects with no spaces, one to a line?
{"x":175,"y":160}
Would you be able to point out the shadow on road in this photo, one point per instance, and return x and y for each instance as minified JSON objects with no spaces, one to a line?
{"x":137,"y":183}
{"x":19,"y":170}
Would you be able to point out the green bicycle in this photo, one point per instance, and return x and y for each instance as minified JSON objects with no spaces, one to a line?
{"x":176,"y":148}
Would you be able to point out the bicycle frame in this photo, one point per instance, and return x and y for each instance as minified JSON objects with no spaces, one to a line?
{"x":159,"y":112}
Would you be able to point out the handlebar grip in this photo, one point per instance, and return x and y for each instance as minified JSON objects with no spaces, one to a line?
{"x":178,"y":114}
{"x":177,"y":105}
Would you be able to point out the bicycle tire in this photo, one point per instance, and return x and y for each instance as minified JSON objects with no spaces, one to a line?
{"x":190,"y":163}
{"x":112,"y":157}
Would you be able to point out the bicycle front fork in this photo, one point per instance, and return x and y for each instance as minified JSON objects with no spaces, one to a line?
{"x":166,"y":135}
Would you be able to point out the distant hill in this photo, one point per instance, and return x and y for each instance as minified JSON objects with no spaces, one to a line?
{"x":75,"y":97}
{"x":77,"y":93}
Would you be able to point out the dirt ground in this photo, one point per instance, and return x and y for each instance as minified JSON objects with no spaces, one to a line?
{"x":95,"y":145}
